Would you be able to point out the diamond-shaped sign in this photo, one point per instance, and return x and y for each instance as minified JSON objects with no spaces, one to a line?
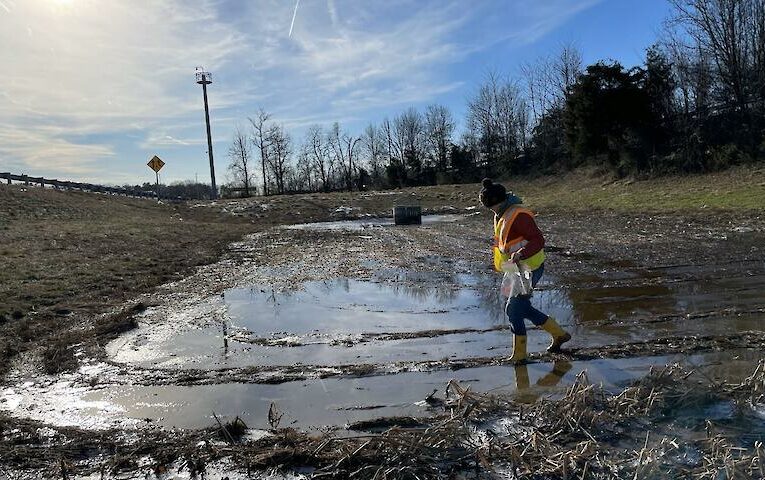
{"x":156,"y":163}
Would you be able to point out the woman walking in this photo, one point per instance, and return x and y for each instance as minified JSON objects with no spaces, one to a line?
{"x":517,"y":240}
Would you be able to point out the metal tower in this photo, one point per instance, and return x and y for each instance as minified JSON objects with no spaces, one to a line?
{"x":204,"y":79}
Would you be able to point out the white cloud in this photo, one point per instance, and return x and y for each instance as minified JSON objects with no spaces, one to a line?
{"x":86,"y":81}
{"x":39,"y":152}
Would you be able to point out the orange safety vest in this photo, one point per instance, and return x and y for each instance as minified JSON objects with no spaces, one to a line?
{"x":504,"y":247}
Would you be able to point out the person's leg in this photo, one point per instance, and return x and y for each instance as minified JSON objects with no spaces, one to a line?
{"x":535,"y":316}
{"x":522,"y":383}
{"x":548,"y":323}
{"x":516,"y":312}
{"x":518,"y":309}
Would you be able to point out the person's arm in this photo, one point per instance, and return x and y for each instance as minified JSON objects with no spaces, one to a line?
{"x":525,"y":226}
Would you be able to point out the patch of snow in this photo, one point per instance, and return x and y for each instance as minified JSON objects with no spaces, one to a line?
{"x":93,"y":369}
{"x":10,"y":400}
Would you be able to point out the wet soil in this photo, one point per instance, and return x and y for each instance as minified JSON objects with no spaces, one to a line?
{"x":319,"y":301}
{"x":340,"y":325}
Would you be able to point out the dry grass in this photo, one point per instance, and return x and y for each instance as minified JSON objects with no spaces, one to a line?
{"x":69,"y":258}
{"x":587,"y":433}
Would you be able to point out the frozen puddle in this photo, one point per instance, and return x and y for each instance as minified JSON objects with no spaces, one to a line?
{"x":331,"y":402}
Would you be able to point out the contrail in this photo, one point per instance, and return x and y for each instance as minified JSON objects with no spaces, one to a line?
{"x":294,"y":14}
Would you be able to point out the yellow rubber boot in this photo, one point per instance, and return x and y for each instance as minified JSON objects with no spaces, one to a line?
{"x":519,"y":349}
{"x":559,"y":336}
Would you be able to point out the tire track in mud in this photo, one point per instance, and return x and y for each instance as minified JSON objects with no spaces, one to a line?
{"x":685,"y":345}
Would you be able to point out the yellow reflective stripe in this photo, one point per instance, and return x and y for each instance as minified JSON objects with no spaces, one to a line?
{"x":535,"y":261}
{"x":499,"y":259}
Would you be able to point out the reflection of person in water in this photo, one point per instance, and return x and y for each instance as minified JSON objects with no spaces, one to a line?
{"x":551,"y":379}
{"x":517,"y":239}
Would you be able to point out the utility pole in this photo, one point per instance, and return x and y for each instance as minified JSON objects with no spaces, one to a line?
{"x":204,"y":79}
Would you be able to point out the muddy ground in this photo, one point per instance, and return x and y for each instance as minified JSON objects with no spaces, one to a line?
{"x":344,"y":330}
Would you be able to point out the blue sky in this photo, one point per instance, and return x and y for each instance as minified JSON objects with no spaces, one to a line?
{"x":91,"y":89}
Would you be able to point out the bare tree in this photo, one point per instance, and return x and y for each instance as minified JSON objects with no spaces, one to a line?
{"x":278,"y":161}
{"x":394,"y":154}
{"x":262,"y":142}
{"x":567,"y":67}
{"x":409,"y":129}
{"x":535,"y":75}
{"x":343,"y":148}
{"x":439,"y":129}
{"x":373,"y":142}
{"x":497,"y":119}
{"x":315,"y":147}
{"x":548,"y":80}
{"x":302,"y":177}
{"x":732,"y":31}
{"x":240,"y":155}
{"x":692,"y":71}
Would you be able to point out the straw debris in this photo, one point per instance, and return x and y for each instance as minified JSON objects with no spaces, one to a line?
{"x":585,"y":433}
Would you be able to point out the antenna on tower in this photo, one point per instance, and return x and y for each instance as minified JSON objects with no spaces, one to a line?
{"x":205,"y":78}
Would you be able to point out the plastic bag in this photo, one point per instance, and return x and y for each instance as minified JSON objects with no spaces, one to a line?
{"x":516,"y":280}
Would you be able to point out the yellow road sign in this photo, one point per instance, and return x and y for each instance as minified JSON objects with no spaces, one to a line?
{"x":156,"y":163}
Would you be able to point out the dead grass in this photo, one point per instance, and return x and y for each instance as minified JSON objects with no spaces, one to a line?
{"x":738,"y":189}
{"x":587,"y":433}
{"x":69,"y":258}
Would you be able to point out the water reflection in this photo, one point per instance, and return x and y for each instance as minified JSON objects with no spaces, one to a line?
{"x":610,"y":303}
{"x":525,"y":393}
{"x":347,"y":306}
{"x":224,"y":334}
{"x":323,"y":320}
{"x":442,"y":290}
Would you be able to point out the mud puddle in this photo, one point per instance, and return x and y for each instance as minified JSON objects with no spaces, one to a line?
{"x":336,"y":351}
{"x":370,"y":222}
{"x":341,"y":321}
{"x":347,"y":321}
{"x":335,"y":402}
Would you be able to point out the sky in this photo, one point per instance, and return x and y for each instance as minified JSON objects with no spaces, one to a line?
{"x":90,"y":90}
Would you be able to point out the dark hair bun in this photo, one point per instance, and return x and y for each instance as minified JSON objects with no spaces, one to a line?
{"x":487,"y":183}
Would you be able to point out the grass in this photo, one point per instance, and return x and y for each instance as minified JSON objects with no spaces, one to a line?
{"x":739,"y":189}
{"x":69,"y":257}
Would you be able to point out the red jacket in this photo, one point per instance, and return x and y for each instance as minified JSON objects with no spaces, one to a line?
{"x":525,"y":226}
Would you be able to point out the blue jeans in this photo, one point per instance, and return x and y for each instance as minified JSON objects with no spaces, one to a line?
{"x":519,"y":308}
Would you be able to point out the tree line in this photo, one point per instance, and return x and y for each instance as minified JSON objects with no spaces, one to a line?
{"x":696,"y":104}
